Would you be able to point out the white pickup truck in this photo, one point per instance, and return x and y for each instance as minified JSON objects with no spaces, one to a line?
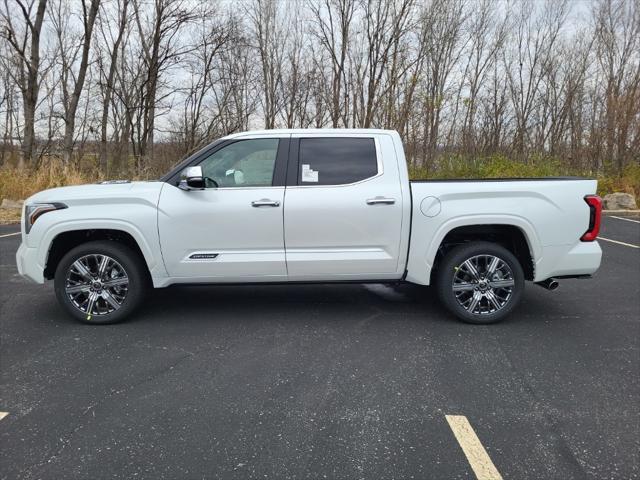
{"x":308,"y":206}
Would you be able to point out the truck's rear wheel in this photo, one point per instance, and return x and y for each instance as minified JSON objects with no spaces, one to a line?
{"x":100,"y":282}
{"x":480,"y":282}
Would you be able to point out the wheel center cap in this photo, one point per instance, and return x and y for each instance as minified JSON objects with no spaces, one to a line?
{"x":97,"y":286}
{"x":483,"y":285}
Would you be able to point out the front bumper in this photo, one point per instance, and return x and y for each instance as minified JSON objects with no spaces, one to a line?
{"x":28,"y":266}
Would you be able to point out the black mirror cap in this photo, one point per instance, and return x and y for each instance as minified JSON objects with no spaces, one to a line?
{"x":195,"y":182}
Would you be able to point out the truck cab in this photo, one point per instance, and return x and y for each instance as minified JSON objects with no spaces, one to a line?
{"x":338,"y":201}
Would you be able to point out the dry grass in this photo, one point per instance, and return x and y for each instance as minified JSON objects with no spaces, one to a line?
{"x":18,"y":184}
{"x":9,"y":215}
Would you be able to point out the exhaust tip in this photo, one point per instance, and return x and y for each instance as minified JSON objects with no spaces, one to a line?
{"x":550,"y":284}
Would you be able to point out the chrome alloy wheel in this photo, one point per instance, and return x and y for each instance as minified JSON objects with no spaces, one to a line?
{"x":483,"y":284}
{"x":96,"y":284}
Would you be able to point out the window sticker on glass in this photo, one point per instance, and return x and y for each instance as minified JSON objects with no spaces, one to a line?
{"x":308,"y":174}
{"x":341,"y":160}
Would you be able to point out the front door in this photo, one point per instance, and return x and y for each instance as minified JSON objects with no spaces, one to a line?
{"x":233,"y":229}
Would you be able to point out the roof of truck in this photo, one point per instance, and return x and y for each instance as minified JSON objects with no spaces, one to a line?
{"x":287,"y":131}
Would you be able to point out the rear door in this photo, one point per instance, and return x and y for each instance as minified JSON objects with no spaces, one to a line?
{"x":343,"y":208}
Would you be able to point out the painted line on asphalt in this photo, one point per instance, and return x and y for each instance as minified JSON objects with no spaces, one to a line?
{"x":10,"y":234}
{"x":625,"y":219}
{"x":619,"y":243}
{"x":476,"y":455}
{"x":3,"y":414}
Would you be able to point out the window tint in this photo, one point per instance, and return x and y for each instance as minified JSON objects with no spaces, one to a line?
{"x":336,"y":161}
{"x":246,"y":163}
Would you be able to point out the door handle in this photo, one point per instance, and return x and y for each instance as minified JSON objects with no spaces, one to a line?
{"x":381,"y":200}
{"x":265,"y":202}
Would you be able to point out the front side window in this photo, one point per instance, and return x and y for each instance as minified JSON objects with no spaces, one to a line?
{"x":336,"y":161}
{"x":245,"y":163}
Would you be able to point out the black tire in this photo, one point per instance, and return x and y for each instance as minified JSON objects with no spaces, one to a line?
{"x":452,"y":269}
{"x":125,"y":260}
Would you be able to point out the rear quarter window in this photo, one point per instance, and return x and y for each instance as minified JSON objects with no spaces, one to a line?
{"x":336,"y":161}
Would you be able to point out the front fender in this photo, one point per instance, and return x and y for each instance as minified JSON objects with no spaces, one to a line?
{"x":129,"y":208}
{"x":149,"y":247}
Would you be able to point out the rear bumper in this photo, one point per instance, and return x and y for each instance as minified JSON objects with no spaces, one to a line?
{"x":580,"y":259}
{"x":28,"y":266}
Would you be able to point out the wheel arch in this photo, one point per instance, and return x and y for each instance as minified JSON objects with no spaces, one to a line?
{"x":513,"y":232}
{"x":63,"y":241}
{"x":508,"y":236}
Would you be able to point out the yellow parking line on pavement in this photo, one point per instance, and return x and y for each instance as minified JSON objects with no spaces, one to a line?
{"x":476,"y":455}
{"x":625,"y":219}
{"x":619,"y":243}
{"x":3,"y":414}
{"x":10,"y":234}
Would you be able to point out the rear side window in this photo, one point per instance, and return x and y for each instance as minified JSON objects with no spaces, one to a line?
{"x":336,"y":161}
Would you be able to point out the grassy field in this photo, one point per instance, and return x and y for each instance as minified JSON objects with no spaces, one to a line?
{"x":18,"y":184}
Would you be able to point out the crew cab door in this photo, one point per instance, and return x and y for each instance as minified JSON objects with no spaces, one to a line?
{"x":343,"y":208}
{"x":233,"y":229}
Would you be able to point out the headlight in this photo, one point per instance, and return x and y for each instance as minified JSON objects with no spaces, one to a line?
{"x":33,"y":211}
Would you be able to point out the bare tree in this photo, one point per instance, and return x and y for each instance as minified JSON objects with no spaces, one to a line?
{"x":25,"y":42}
{"x":199,"y":120}
{"x":297,"y":76}
{"x":8,"y":103}
{"x":160,"y":49}
{"x":457,"y":78}
{"x":72,"y":75}
{"x":443,"y":21}
{"x":235,"y":96}
{"x":265,"y":17}
{"x":386,"y":24}
{"x":333,"y":20}
{"x":536,"y":37}
{"x":108,"y":68}
{"x":487,"y":35}
{"x":617,"y":38}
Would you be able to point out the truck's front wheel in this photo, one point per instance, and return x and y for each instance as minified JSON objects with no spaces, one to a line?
{"x":480,"y":282}
{"x":100,"y":282}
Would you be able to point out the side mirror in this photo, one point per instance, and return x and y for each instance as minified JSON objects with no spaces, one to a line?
{"x":192,"y":178}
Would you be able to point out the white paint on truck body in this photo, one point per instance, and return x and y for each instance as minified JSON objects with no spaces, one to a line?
{"x":374,"y":229}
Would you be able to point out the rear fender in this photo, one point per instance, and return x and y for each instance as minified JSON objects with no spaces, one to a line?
{"x":422,"y":255}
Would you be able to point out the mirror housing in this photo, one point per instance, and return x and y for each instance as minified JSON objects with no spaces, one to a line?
{"x":192,"y":178}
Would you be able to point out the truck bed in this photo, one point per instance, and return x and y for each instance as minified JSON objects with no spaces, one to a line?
{"x":550,"y":212}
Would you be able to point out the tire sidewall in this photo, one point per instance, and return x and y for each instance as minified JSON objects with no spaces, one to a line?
{"x":129,"y":261}
{"x":459,"y":254}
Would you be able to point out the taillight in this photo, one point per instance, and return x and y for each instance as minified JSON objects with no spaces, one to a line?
{"x":595,"y":213}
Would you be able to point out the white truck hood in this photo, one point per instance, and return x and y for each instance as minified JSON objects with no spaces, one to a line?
{"x":101,"y":193}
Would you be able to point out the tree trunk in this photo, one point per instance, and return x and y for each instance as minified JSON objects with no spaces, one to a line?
{"x":103,"y":161}
{"x":70,"y":119}
{"x":30,"y":94}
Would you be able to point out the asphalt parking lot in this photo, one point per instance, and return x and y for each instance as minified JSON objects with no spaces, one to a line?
{"x":325,"y":381}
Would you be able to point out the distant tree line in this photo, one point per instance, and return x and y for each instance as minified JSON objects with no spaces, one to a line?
{"x":152,"y":80}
